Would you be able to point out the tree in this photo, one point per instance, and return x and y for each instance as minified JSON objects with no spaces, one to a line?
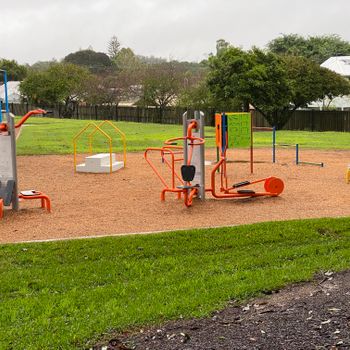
{"x":248,"y":78}
{"x":110,"y":89}
{"x":15,"y":71}
{"x":61,"y":82}
{"x":42,"y":65}
{"x":316,"y":48}
{"x":274,"y":85}
{"x":197,"y":96}
{"x":221,"y":45}
{"x":113,"y":48}
{"x":151,"y":59}
{"x":126,"y":60}
{"x":161,"y":85}
{"x":96,"y":62}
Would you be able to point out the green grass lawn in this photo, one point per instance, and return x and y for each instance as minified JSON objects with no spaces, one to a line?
{"x":59,"y":295}
{"x":54,"y":136}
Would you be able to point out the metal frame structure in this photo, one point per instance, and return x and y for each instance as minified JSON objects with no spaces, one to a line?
{"x":117,"y":130}
{"x":297,"y":151}
{"x":298,"y":161}
{"x":98,"y":128}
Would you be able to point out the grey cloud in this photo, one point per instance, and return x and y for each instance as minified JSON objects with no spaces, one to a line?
{"x":39,"y":30}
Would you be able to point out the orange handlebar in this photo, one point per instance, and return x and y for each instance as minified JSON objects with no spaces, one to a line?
{"x":200,"y":140}
{"x":29,"y":114}
{"x":3,"y":126}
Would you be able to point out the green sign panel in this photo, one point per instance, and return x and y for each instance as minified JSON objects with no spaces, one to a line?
{"x":239,"y":129}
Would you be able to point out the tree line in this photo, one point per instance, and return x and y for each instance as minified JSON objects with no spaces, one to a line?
{"x":277,"y":80}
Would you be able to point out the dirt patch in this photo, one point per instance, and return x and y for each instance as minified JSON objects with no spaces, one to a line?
{"x":313,"y":315}
{"x":128,"y":201}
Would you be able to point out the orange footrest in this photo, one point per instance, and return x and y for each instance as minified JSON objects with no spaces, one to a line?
{"x":45,"y":200}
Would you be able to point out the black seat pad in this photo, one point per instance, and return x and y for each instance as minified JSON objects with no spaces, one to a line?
{"x":188,"y":172}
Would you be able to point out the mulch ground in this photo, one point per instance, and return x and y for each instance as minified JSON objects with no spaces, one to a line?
{"x":312,"y":315}
{"x":128,"y":201}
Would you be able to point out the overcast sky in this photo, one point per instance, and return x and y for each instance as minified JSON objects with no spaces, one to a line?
{"x":32,"y":30}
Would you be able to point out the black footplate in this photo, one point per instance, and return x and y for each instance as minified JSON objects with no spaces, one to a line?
{"x":246,"y":192}
{"x":240,"y":184}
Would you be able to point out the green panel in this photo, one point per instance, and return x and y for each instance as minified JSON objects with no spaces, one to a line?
{"x":239,"y":129}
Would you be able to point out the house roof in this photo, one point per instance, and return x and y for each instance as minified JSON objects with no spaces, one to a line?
{"x":338,"y":64}
{"x":341,"y":102}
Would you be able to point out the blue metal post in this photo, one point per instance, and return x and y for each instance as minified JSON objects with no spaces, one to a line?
{"x":224,"y":130}
{"x":6,"y":93}
{"x":297,"y":154}
{"x":274,"y":144}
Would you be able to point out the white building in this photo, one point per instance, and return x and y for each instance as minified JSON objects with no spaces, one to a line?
{"x":14,"y":95}
{"x":340,"y":65}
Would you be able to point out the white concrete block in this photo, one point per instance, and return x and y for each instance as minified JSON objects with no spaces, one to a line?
{"x":98,"y":160}
{"x":99,"y":163}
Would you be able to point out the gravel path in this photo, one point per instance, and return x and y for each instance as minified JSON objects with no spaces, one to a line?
{"x":128,"y":201}
{"x":313,"y":315}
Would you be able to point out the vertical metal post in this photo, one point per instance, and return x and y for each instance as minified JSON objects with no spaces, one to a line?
{"x":6,"y":93}
{"x":251,"y":144}
{"x":12,"y":134}
{"x":297,"y":154}
{"x":184,"y":126}
{"x":274,"y":144}
{"x":200,"y":117}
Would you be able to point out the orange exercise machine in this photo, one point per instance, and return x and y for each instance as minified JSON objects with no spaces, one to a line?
{"x":191,"y":183}
{"x":9,"y":195}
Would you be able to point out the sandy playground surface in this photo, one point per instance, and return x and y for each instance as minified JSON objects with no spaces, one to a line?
{"x":128,"y":201}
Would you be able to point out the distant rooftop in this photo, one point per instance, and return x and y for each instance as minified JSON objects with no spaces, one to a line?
{"x":338,"y":64}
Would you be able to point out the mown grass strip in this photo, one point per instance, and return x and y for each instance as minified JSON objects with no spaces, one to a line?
{"x":54,"y":136}
{"x":59,"y":295}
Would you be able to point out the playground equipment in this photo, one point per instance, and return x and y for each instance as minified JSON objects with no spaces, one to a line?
{"x":240,"y":133}
{"x":102,"y":162}
{"x":9,"y":195}
{"x":297,"y":151}
{"x":191,"y":182}
{"x":298,"y":161}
